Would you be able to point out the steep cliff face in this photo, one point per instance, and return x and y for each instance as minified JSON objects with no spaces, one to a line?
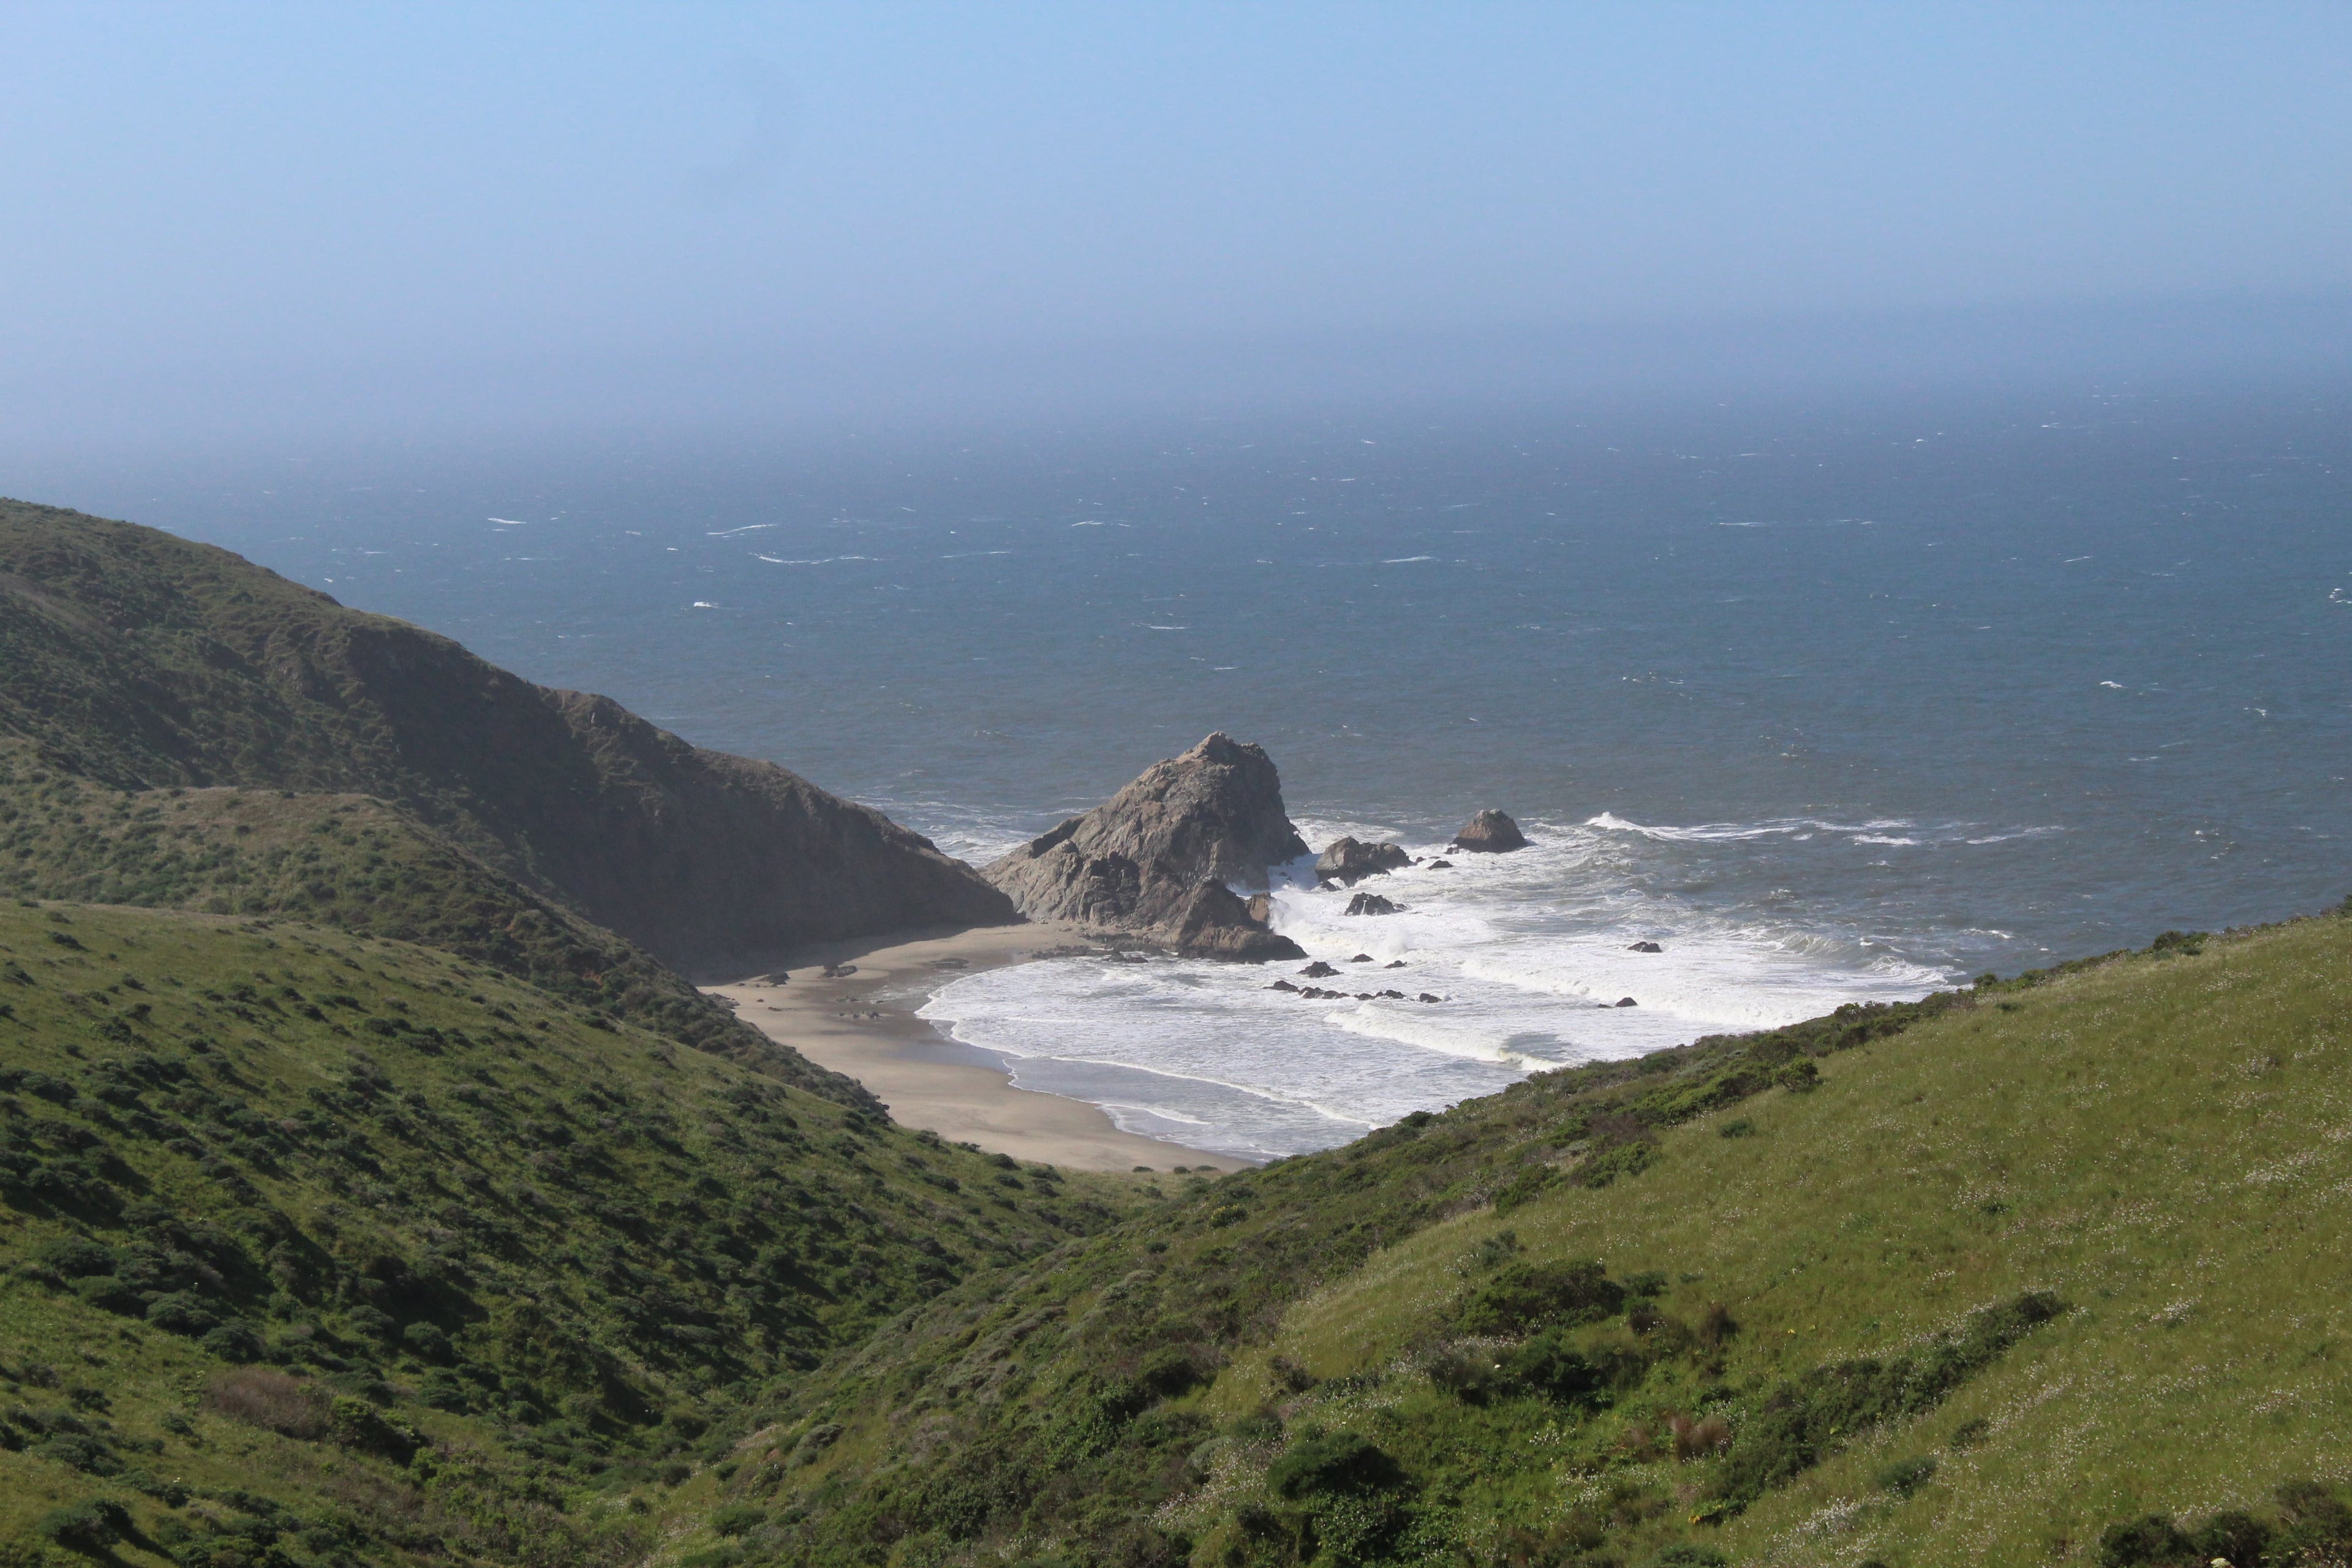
{"x":1156,"y":860}
{"x":139,"y":659}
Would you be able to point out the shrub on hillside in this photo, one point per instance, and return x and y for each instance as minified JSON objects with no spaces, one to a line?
{"x":1804,"y":1421}
{"x":1524,"y":1296}
{"x":89,"y":1526}
{"x":258,"y":1396}
{"x":1324,"y":1463}
{"x":1550,"y":1366}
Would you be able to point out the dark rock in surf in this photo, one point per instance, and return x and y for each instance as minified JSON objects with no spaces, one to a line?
{"x":1371,"y":904}
{"x":1215,"y":924}
{"x":1627,"y":1002}
{"x":1348,"y":860}
{"x":1318,"y":969}
{"x":1426,"y":996}
{"x":1362,"y":958}
{"x":1282,"y":985}
{"x":1393,"y":963}
{"x":1156,"y":860}
{"x":1645,"y":947}
{"x":1489,"y":832}
{"x":1441,"y":865}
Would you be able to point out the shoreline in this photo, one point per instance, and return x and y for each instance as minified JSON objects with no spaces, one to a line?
{"x":863,"y":1024}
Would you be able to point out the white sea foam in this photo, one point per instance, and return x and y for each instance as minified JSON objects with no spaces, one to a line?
{"x":1528,"y":954}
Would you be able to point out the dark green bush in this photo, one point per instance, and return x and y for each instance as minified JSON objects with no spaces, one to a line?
{"x":1799,"y":1077}
{"x":1323,"y":1464}
{"x":89,"y":1526}
{"x":1523,"y":1296}
{"x":1550,"y":1366}
{"x":236,"y":1341}
{"x":1606,"y":1166}
{"x":1804,"y":1421}
{"x":1905,"y":1476}
{"x":425,"y":1341}
{"x":182,"y":1313}
{"x":85,"y":1451}
{"x":75,"y":1257}
{"x":2153,"y":1541}
{"x":737,"y":1519}
{"x":110,"y":1294}
{"x":355,"y":1424}
{"x":1469,"y":1373}
{"x":1688,"y":1554}
{"x":2232,"y":1536}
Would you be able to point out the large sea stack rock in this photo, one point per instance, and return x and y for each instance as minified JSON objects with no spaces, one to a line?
{"x":1157,"y":860}
{"x":1489,"y":832}
{"x":1347,"y":861}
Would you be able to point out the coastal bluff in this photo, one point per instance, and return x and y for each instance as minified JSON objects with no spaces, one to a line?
{"x":142,"y":661}
{"x":1157,"y":861}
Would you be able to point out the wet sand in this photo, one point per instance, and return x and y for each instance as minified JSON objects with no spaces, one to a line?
{"x":863,"y":1025}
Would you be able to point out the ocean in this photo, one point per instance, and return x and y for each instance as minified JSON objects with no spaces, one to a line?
{"x":1831,"y":700}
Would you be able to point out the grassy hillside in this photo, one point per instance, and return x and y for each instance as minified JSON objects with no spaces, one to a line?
{"x":1980,"y":1281}
{"x":356,"y":864}
{"x":141,"y":660}
{"x":321,"y":1250}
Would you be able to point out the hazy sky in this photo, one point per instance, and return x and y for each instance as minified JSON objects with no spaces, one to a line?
{"x":241,"y":217}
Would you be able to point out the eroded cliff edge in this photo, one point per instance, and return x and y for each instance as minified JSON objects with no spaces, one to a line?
{"x":143,"y":661}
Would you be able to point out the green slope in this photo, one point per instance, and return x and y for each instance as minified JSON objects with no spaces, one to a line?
{"x":1966,"y":1283}
{"x":321,"y":1249}
{"x":357,"y":864}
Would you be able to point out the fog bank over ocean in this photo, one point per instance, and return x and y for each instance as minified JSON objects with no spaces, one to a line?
{"x":1831,"y":698}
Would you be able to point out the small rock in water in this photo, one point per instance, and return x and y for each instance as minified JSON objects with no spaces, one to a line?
{"x":1362,"y":958}
{"x":1627,"y":1002}
{"x":1393,"y":963}
{"x":1392,"y":995}
{"x":1441,"y":865}
{"x":1318,"y":969}
{"x":778,"y":978}
{"x":1363,"y":996}
{"x":1645,"y":947}
{"x":1371,"y":904}
{"x":1350,"y":860}
{"x":837,"y":971}
{"x":1490,"y":833}
{"x":1427,"y":997}
{"x":1282,"y":985}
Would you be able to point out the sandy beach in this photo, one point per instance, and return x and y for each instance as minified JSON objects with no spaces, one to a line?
{"x":863,"y":1025}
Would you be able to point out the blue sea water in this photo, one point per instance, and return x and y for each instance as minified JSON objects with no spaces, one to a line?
{"x":1830,"y":700}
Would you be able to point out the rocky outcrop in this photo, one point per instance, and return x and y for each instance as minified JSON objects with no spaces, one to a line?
{"x":1371,"y":904}
{"x":1157,"y":860}
{"x":1347,"y":861}
{"x":1489,"y":832}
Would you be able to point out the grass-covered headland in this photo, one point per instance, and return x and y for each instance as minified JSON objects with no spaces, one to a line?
{"x":1991,"y":1278}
